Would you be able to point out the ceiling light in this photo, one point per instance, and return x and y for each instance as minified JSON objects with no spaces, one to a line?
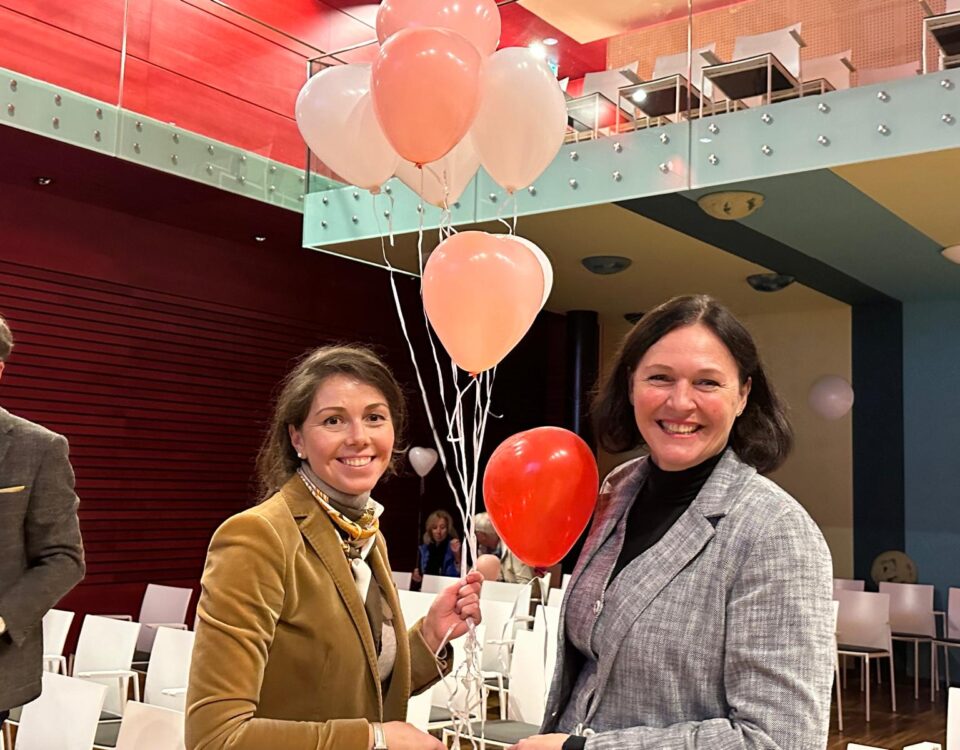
{"x":769,"y":282}
{"x":260,"y":237}
{"x":639,"y":96}
{"x":44,"y":181}
{"x":604,"y":265}
{"x":550,"y":41}
{"x":951,"y":253}
{"x":730,"y":205}
{"x":539,"y":51}
{"x":633,"y":317}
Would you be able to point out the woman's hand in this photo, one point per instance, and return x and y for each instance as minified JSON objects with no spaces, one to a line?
{"x":541,"y":742}
{"x":416,"y":576}
{"x":453,"y":606}
{"x":403,"y":736}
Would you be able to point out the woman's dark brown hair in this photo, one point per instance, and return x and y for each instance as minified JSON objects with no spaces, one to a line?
{"x":761,"y":436}
{"x":277,"y":460}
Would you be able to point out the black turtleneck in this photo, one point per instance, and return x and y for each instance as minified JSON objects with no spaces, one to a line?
{"x":660,"y":501}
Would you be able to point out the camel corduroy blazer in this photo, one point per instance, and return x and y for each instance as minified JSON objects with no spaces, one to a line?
{"x":284,"y":656}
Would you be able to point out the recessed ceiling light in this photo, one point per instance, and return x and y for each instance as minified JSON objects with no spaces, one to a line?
{"x":44,"y":181}
{"x":550,"y":41}
{"x":639,"y":96}
{"x":730,"y":205}
{"x":770,"y":282}
{"x":604,"y":265}
{"x":951,"y":253}
{"x":538,"y":50}
{"x":260,"y":237}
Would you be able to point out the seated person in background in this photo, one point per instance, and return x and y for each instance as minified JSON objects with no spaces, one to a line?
{"x":439,"y":555}
{"x":512,"y":568}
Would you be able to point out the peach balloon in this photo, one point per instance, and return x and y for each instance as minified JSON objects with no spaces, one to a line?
{"x":481,"y":293}
{"x":489,"y":565}
{"x":426,"y":91}
{"x":478,"y":21}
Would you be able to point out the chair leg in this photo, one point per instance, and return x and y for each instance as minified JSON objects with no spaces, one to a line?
{"x":934,"y":681}
{"x":836,"y":668}
{"x":866,"y":660}
{"x":916,"y":670}
{"x":893,"y":691}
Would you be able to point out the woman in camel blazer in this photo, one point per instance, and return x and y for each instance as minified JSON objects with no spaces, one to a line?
{"x":300,"y":640}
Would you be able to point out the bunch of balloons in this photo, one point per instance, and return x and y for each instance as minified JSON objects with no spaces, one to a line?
{"x":438,"y":102}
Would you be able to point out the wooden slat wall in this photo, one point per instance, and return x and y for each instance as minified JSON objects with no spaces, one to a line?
{"x":156,"y":351}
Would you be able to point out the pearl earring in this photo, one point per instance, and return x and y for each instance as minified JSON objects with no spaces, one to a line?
{"x":299,"y":454}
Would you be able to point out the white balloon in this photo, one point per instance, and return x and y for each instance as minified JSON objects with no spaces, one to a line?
{"x":455,"y":170}
{"x":545,"y":266}
{"x":335,"y":115}
{"x":831,"y":397}
{"x":522,"y":118}
{"x":422,"y":460}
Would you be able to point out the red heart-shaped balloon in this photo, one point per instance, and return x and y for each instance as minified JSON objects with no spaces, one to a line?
{"x":540,"y":489}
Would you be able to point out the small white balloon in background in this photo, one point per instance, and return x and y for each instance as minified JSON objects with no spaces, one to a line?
{"x":422,"y":460}
{"x":831,"y":397}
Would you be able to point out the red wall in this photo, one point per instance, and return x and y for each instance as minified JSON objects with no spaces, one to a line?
{"x":155,"y":349}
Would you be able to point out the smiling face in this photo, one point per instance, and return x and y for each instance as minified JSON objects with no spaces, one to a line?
{"x":439,"y":530}
{"x":686,"y":395}
{"x":347,"y":437}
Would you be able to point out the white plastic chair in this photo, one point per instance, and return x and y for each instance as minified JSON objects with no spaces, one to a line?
{"x":414,"y":605}
{"x":863,"y":632}
{"x":951,"y":635}
{"x":506,"y":592}
{"x":169,"y":669}
{"x":555,"y":597}
{"x":64,"y":717}
{"x":105,"y":656}
{"x":912,"y":620}
{"x":161,"y":605}
{"x":953,"y":719}
{"x":146,"y":727}
{"x":435,"y":584}
{"x":447,"y":692}
{"x":402,"y":580}
{"x":847,"y":584}
{"x":56,"y":626}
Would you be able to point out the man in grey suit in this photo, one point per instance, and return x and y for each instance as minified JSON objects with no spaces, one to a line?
{"x":41,"y":554}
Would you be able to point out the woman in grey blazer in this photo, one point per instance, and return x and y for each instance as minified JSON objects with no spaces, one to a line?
{"x":699,"y":614}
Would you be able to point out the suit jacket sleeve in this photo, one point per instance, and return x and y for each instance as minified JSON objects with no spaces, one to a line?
{"x":241,"y":600}
{"x":779,"y":651}
{"x":53,"y":546}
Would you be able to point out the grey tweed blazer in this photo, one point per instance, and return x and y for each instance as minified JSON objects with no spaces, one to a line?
{"x":726,"y":638}
{"x":41,"y":555}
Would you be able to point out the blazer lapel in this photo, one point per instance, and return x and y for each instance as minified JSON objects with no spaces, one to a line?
{"x":6,"y":425}
{"x":320,"y":534}
{"x":658,"y":566}
{"x":399,"y":690}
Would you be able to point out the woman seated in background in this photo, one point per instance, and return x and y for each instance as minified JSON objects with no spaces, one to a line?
{"x":300,"y":640}
{"x":699,"y":614}
{"x":439,"y":555}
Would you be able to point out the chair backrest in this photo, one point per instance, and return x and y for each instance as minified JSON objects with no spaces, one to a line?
{"x":565,"y":580}
{"x":864,"y":619}
{"x":527,"y":686}
{"x":150,"y":727}
{"x":911,"y":608}
{"x":606,"y":82}
{"x":953,"y":719}
{"x":161,"y":604}
{"x":847,"y":584}
{"x":831,"y":67}
{"x":496,"y":615}
{"x":106,"y":644}
{"x":677,"y":63}
{"x":64,"y":717}
{"x":414,"y":605}
{"x":447,"y":691}
{"x":953,"y":613}
{"x":56,"y":625}
{"x":169,"y":668}
{"x":505,"y":592}
{"x":548,"y":624}
{"x":401,"y":580}
{"x":555,"y":597}
{"x":779,"y":42}
{"x":889,"y":73}
{"x":435,"y":584}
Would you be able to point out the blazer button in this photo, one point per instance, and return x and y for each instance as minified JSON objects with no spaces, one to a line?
{"x":598,"y":607}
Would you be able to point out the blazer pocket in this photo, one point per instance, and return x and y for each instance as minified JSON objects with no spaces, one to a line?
{"x":11,"y":490}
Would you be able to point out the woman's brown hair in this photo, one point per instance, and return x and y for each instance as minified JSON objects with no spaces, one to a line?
{"x":277,"y":460}
{"x":761,"y":436}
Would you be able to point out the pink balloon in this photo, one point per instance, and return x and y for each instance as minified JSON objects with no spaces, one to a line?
{"x":478,"y":21}
{"x":335,"y":115}
{"x":442,"y":182}
{"x":522,"y":119}
{"x":426,"y":91}
{"x":831,"y":397}
{"x":481,"y":293}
